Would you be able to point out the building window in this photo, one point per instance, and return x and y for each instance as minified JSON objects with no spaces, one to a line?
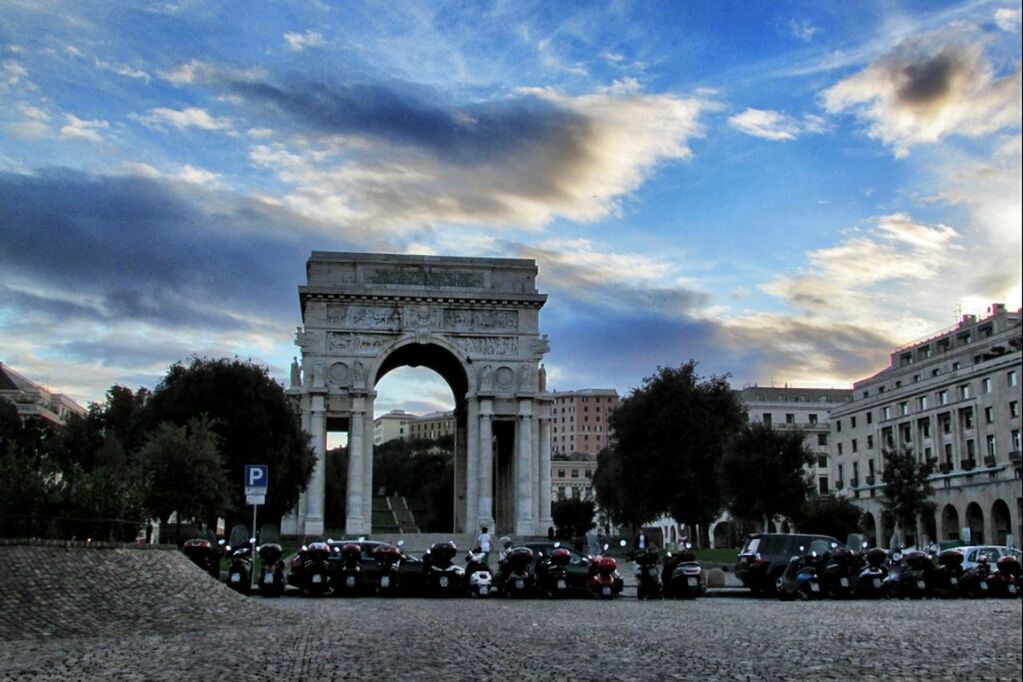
{"x":854,"y":446}
{"x":943,"y":397}
{"x":822,"y":461}
{"x":870,"y":442}
{"x":870,"y":417}
{"x":852,"y":422}
{"x":971,"y":449}
{"x":921,"y":402}
{"x":822,"y":485}
{"x":839,"y":449}
{"x":1012,"y":377}
{"x":575,"y":473}
{"x":1013,"y":408}
{"x":886,"y":412}
{"x":946,"y":423}
{"x":989,"y":415}
{"x":790,"y":418}
{"x":991,"y":445}
{"x":1015,"y":440}
{"x":967,"y":417}
{"x":838,"y":425}
{"x":822,"y":439}
{"x":903,"y":408}
{"x":987,"y":384}
{"x":561,"y":473}
{"x":766,"y":418}
{"x":813,"y":418}
{"x":925,"y":428}
{"x":964,"y":391}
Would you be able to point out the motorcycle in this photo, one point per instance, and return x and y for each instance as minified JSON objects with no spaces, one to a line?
{"x":442,"y":577}
{"x":648,"y":578}
{"x":518,"y":581}
{"x":349,"y":578}
{"x":204,"y":552}
{"x":239,"y":557}
{"x":1004,"y":582}
{"x":907,"y":575}
{"x":388,"y":558}
{"x":948,"y":574}
{"x":310,"y":569}
{"x":975,"y":581}
{"x":682,"y":575}
{"x":603,"y":580}
{"x":873,"y":573}
{"x":271,"y":576}
{"x":480,"y":582}
{"x":800,"y":579}
{"x":552,"y":572}
{"x":840,"y":573}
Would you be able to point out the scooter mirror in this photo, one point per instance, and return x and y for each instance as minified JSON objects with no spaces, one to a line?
{"x":802,"y":548}
{"x":557,"y":544}
{"x":362,"y":538}
{"x":401,"y":543}
{"x":220,"y":542}
{"x":252,"y":541}
{"x":834,"y":545}
{"x":304,"y":548}
{"x":606,"y":546}
{"x":622,"y":543}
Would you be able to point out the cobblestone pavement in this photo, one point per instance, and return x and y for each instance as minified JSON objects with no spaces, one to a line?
{"x":713,"y":638}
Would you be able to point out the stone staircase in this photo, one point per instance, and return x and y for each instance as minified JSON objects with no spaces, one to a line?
{"x":404,"y":519}
{"x":384,"y":519}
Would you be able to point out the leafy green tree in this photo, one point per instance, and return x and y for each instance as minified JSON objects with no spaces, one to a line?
{"x":185,"y":472}
{"x":607,"y":486}
{"x":763,"y":474}
{"x":254,"y":420}
{"x":907,"y":492}
{"x":669,"y":436}
{"x":573,"y":516}
{"x":335,"y":494}
{"x":423,"y":471}
{"x":829,"y":515}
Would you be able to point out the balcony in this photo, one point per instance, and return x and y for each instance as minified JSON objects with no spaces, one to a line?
{"x":870,"y":480}
{"x":839,"y":485}
{"x":1014,"y":456}
{"x":854,"y":482}
{"x":989,"y":460}
{"x":967,"y":464}
{"x":945,"y":467}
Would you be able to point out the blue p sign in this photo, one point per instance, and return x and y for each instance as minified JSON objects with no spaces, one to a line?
{"x":256,"y":479}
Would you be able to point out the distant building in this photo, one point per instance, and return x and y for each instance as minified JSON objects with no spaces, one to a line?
{"x":572,"y":478}
{"x":390,"y":426}
{"x":432,"y":426}
{"x":954,"y":399}
{"x":35,"y":402}
{"x":579,"y":420}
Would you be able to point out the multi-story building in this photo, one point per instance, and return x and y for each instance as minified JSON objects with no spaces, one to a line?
{"x":802,"y":409}
{"x":432,"y":426}
{"x":33,"y":401}
{"x":579,"y":420}
{"x":954,"y":399}
{"x":390,"y":426}
{"x":572,"y":478}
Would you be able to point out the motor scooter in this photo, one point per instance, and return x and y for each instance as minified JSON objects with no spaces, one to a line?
{"x":683,"y":575}
{"x":800,"y":580}
{"x":203,"y":551}
{"x":1004,"y":581}
{"x":975,"y":581}
{"x":479,"y":580}
{"x":518,"y":581}
{"x":907,"y":574}
{"x":947,"y":574}
{"x":388,"y":558}
{"x":873,"y":573}
{"x":310,"y":568}
{"x":840,"y":573}
{"x":603,"y":580}
{"x":442,"y":577}
{"x":271,"y":574}
{"x":648,"y":577}
{"x":552,"y":572}
{"x":239,"y":559}
{"x":349,"y":582}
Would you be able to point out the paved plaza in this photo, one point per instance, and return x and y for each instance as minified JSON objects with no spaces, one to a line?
{"x":89,"y":614}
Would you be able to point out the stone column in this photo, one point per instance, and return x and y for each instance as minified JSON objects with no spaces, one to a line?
{"x":356,"y":449}
{"x":313,"y":522}
{"x":472,"y":455}
{"x":523,"y":470}
{"x":485,"y":517}
{"x":367,"y":464}
{"x":545,"y":472}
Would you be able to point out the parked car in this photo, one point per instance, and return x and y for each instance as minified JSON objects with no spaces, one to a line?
{"x":993,"y":552}
{"x":765,"y":555}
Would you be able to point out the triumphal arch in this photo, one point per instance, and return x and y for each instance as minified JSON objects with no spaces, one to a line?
{"x":474,"y":321}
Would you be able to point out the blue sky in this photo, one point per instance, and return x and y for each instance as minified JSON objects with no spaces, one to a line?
{"x":782,"y":191}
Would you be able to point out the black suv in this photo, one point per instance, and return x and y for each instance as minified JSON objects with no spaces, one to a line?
{"x":765,"y":556}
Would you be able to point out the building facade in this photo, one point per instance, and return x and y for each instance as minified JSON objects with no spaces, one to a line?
{"x":572,"y":478}
{"x":954,"y":399}
{"x":579,"y":420}
{"x":35,"y":402}
{"x":432,"y":426}
{"x":391,"y":426}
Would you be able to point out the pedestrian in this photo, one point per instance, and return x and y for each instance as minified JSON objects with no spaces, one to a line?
{"x":641,"y":543}
{"x":592,"y":542}
{"x":484,"y":544}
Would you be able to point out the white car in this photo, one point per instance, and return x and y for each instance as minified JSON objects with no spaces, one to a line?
{"x":993,"y":552}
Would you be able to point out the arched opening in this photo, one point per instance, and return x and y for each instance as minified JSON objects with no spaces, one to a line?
{"x":869,"y":526}
{"x":722,"y":535}
{"x":419,"y":451}
{"x":1001,"y":523}
{"x":975,"y":522}
{"x":930,"y":528}
{"x":887,"y":528}
{"x":949,"y":523}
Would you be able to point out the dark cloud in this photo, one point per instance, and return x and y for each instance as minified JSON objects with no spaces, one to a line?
{"x":128,"y":248}
{"x":928,"y":81}
{"x":405,"y":115}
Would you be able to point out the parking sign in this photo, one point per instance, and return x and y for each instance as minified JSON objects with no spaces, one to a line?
{"x":256,"y":479}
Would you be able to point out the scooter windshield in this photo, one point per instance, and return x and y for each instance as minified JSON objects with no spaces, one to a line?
{"x":239,"y":536}
{"x":269,"y":535}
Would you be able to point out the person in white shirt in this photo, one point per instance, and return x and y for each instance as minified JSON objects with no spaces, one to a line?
{"x":484,"y":544}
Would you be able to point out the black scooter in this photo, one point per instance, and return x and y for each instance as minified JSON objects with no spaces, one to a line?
{"x":271,"y":573}
{"x":648,"y":578}
{"x":239,"y":556}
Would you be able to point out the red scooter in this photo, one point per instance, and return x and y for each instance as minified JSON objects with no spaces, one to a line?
{"x":1004,"y":582}
{"x":603,"y":580}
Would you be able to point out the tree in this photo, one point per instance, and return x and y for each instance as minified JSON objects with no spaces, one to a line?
{"x":829,"y":515}
{"x":669,"y":435}
{"x":762,"y":473}
{"x":253,"y":419}
{"x":572,"y":516}
{"x":606,"y":486}
{"x":907,"y":490}
{"x":185,"y":472}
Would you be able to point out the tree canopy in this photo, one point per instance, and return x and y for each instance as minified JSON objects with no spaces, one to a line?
{"x":907,"y":492}
{"x":669,"y":435}
{"x":762,"y":472}
{"x":573,"y":516}
{"x":253,"y":420}
{"x":829,"y":515}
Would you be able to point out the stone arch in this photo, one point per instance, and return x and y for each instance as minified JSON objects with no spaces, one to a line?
{"x":950,"y":523}
{"x":1001,"y":522}
{"x":975,"y":522}
{"x":474,"y":321}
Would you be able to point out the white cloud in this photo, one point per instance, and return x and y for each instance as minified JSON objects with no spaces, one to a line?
{"x":804,"y":30}
{"x":10,"y":74}
{"x":775,"y":125}
{"x":81,"y":129}
{"x":189,"y":117}
{"x":926,"y":89}
{"x":1008,"y":19}
{"x":300,"y":41}
{"x":198,"y":176}
{"x":197,"y":71}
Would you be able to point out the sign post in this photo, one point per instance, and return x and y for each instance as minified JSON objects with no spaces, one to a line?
{"x":256,"y":480}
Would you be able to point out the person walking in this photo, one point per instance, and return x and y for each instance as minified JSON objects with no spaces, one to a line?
{"x":483,"y":541}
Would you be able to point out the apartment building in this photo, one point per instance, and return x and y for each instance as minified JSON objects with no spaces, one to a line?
{"x":432,"y":426}
{"x":954,"y":399}
{"x":390,"y":426}
{"x":579,"y":420}
{"x":34,"y":401}
{"x":572,"y":478}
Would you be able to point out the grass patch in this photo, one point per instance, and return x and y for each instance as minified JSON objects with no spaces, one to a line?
{"x":720,"y":556}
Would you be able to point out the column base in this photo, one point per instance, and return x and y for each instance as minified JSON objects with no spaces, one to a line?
{"x":291,"y":524}
{"x":525,"y":528}
{"x":356,"y":525}
{"x":313,"y":525}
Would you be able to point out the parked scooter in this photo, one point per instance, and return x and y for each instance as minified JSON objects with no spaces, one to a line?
{"x":239,"y":558}
{"x":800,"y":579}
{"x":974,"y":582}
{"x":603,"y":580}
{"x":388,"y":558}
{"x":518,"y":581}
{"x":552,"y":572}
{"x":310,"y":569}
{"x":204,"y":552}
{"x":349,"y":578}
{"x":840,"y":573}
{"x":1004,"y":582}
{"x":907,"y":575}
{"x":442,"y":577}
{"x":648,"y":577}
{"x":682,"y":577}
{"x":271,"y":575}
{"x":480,"y":582}
{"x":948,"y":574}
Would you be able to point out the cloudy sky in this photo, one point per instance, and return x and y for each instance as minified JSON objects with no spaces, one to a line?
{"x":782,"y":191}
